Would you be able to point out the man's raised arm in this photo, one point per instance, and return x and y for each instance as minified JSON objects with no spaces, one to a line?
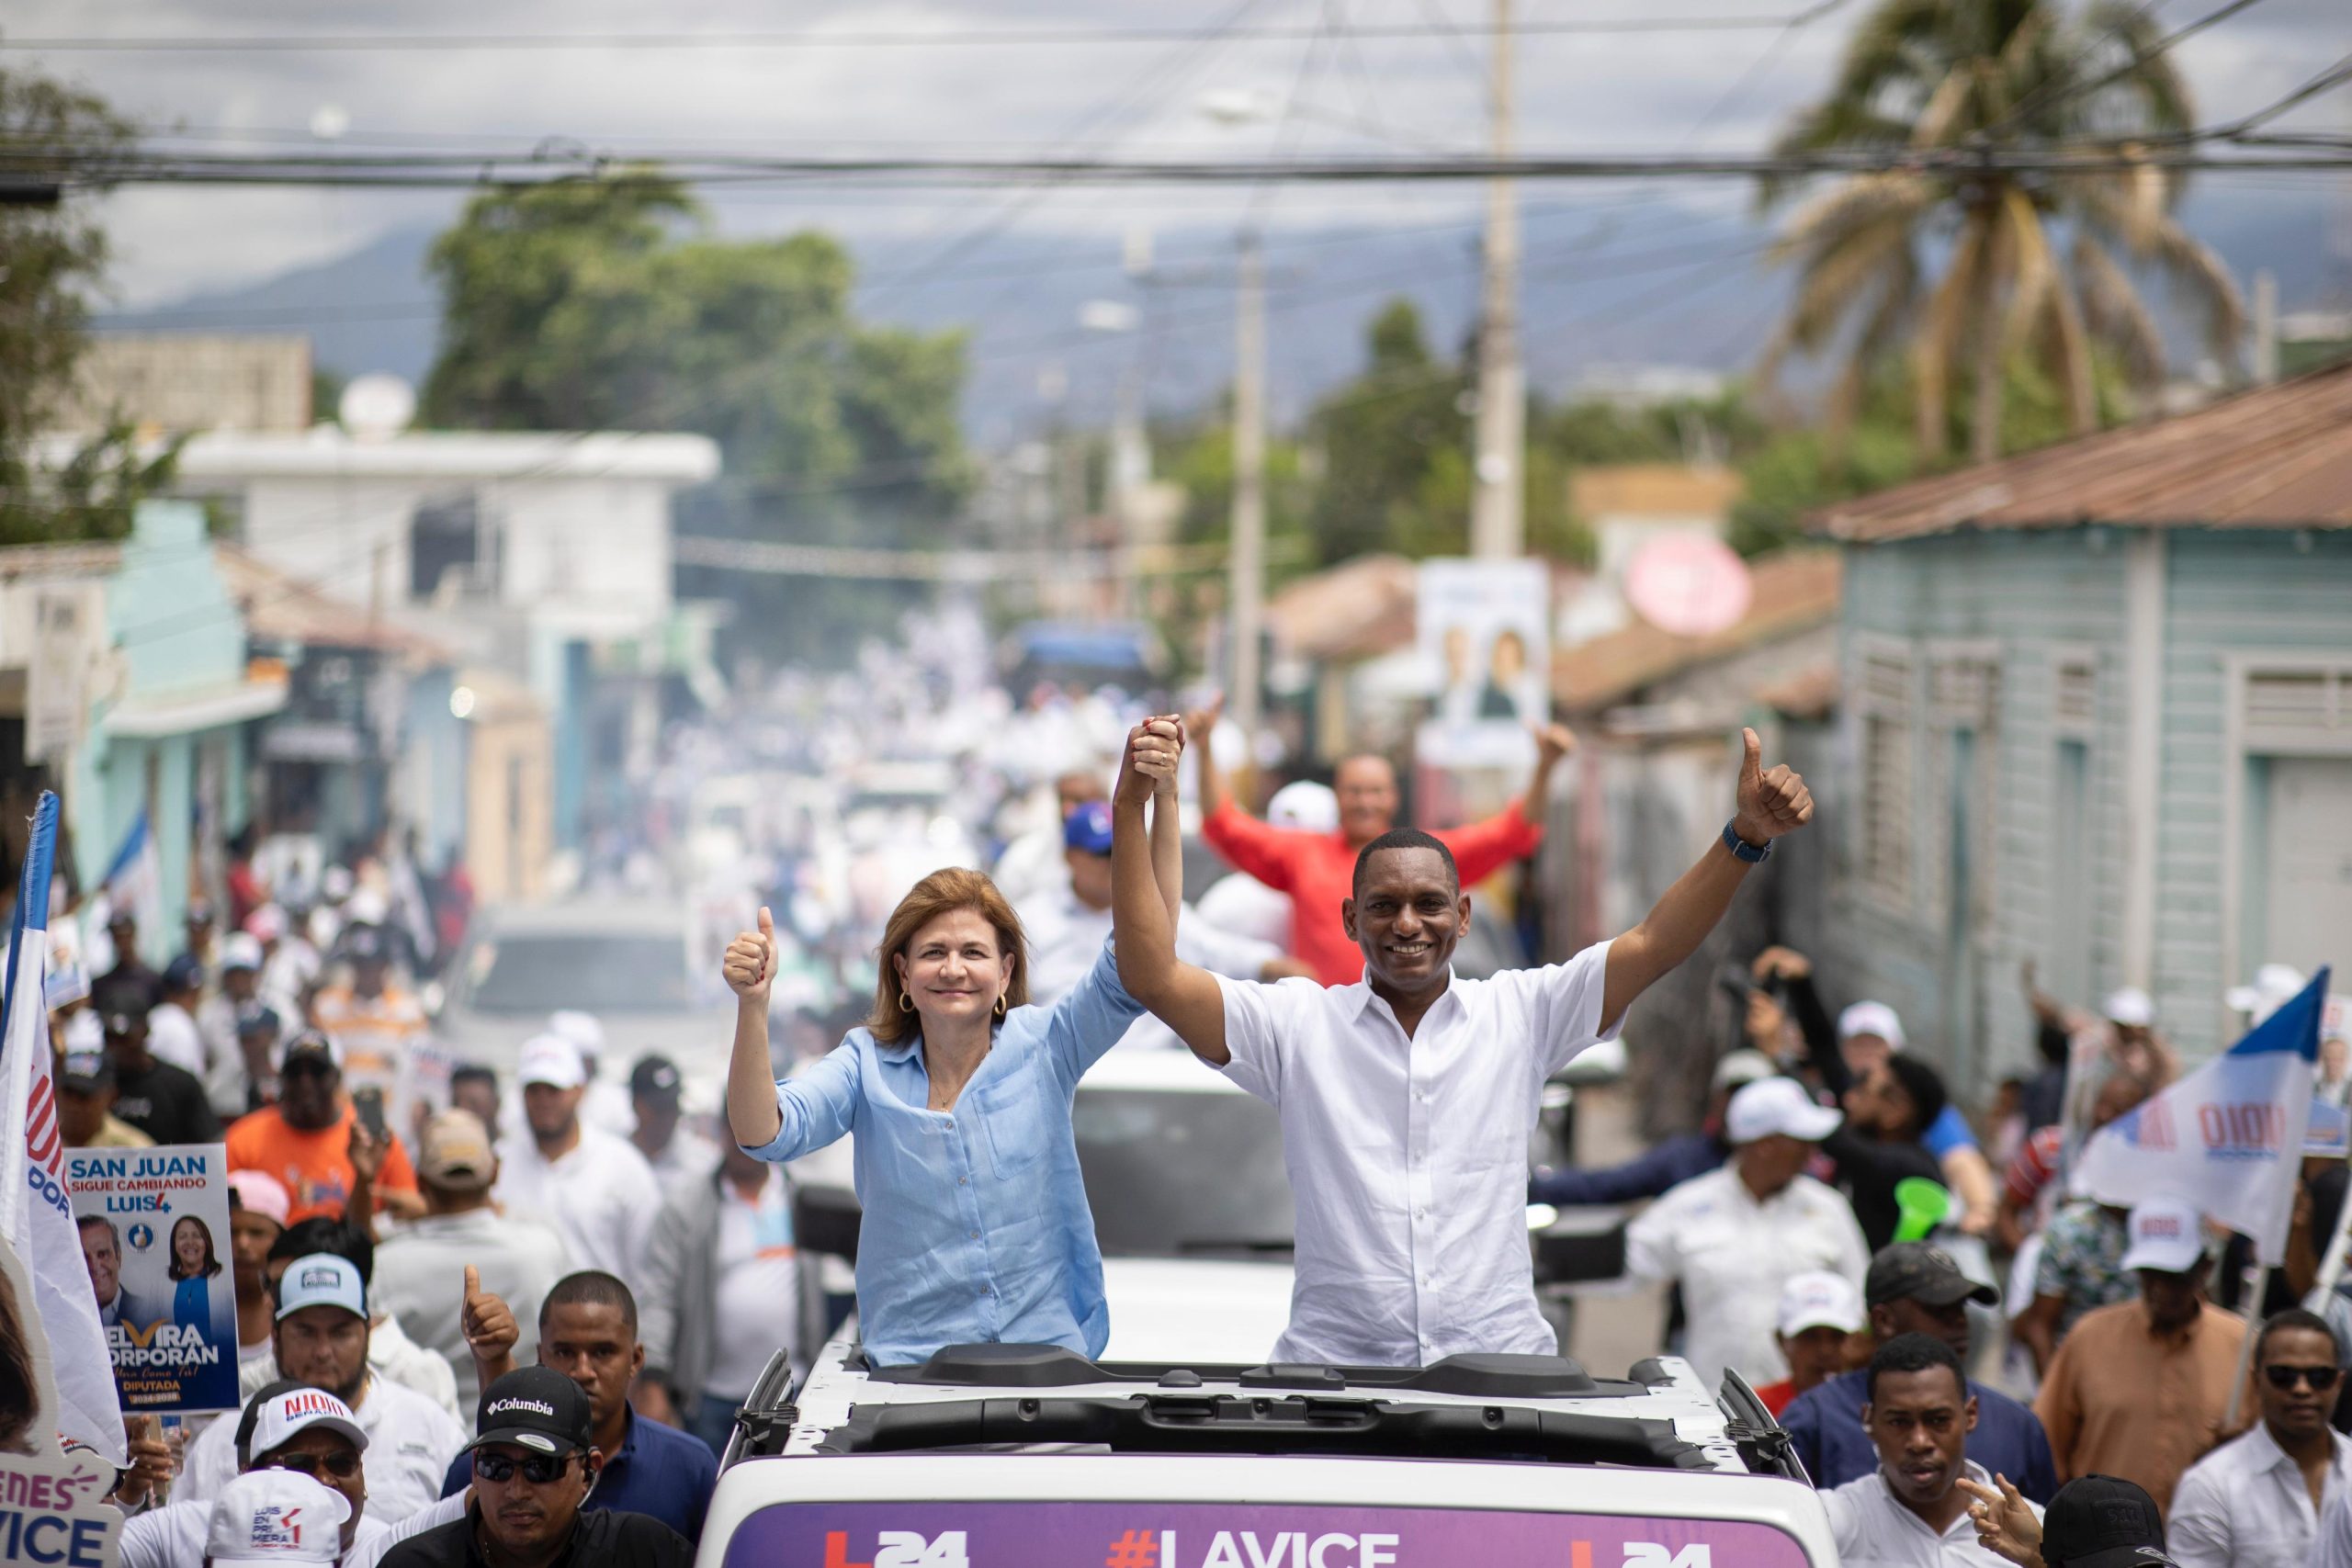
{"x":1143,"y":935}
{"x":1771,"y":805}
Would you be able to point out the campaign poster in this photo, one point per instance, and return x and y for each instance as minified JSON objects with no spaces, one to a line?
{"x":1485,"y":637}
{"x":154,"y":1233}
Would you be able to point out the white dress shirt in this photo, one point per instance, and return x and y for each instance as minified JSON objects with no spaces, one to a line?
{"x":1732,"y":1254}
{"x":602,"y":1198}
{"x":1408,"y":1158}
{"x":1875,"y":1531}
{"x":2244,"y":1505}
{"x":410,"y":1441}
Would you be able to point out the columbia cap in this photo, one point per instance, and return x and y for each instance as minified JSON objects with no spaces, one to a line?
{"x":537,"y":1408}
{"x":320,"y":1279}
{"x":552,"y":1060}
{"x":1915,"y":1271}
{"x":2165,"y":1235}
{"x":264,"y":1518}
{"x":2103,"y":1521}
{"x":1088,"y":830}
{"x":278,"y":1419}
{"x":1777,"y":1106}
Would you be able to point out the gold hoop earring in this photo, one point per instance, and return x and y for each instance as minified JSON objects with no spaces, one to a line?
{"x":1000,"y":1004}
{"x":906,"y":1002}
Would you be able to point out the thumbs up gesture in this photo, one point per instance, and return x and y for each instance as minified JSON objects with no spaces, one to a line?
{"x":750,"y":960}
{"x":1773,"y":801}
{"x":488,"y":1323}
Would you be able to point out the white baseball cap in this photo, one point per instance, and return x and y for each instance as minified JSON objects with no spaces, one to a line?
{"x":320,"y":1279}
{"x":2129,"y":1006}
{"x":1777,"y":1105}
{"x":1818,"y":1298}
{"x":552,"y":1060}
{"x":2167,"y":1234}
{"x":1871,"y":1018}
{"x":241,"y":950}
{"x":2275,"y":984}
{"x":586,"y":1034}
{"x":266,"y":1517}
{"x":1306,"y":805}
{"x":280,"y":1420}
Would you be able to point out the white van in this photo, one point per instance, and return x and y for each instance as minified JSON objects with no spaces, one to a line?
{"x":999,"y":1456}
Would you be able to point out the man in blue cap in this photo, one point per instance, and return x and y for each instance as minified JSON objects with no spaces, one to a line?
{"x":1068,"y":927}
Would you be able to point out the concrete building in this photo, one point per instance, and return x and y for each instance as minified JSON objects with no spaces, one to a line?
{"x":2098,"y":714}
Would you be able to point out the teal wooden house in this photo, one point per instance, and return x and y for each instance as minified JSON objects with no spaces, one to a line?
{"x":2098,"y":713}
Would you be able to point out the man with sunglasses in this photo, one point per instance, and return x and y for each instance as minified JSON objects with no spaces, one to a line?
{"x":287,"y":1426}
{"x":2255,"y":1502}
{"x":534,"y":1466}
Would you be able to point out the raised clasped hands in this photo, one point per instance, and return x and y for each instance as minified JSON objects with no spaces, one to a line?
{"x":1154,"y":748}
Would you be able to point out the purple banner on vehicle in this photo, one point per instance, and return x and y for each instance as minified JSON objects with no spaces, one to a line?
{"x":1215,"y":1535}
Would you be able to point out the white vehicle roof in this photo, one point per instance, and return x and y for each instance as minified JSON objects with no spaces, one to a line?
{"x":1505,"y":1457}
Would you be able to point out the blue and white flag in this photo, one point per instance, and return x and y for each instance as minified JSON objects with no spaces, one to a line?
{"x":36,"y":1216}
{"x":134,"y":881}
{"x":2228,"y":1137}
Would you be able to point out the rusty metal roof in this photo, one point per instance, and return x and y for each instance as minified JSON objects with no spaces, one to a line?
{"x":1795,"y":592}
{"x":2274,"y":457}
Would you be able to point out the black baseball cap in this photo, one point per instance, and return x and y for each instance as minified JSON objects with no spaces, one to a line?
{"x":654,"y":1077}
{"x":537,"y":1408}
{"x":1915,"y":1271}
{"x":2103,"y":1521}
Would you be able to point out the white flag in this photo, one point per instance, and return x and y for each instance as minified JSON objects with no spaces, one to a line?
{"x":35,"y":1213}
{"x":2229,"y":1137}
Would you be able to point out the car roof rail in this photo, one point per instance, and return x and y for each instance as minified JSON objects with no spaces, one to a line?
{"x":1469,"y":1375}
{"x":1763,"y":1445}
{"x":1193,"y":1423}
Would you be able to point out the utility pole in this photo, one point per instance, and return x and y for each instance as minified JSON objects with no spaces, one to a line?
{"x":1247,"y":553}
{"x":1497,"y":529}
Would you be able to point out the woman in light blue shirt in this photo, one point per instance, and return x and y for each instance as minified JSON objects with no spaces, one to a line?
{"x":976,"y":1227}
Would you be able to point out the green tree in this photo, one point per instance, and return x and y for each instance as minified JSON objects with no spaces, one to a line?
{"x":50,"y":258}
{"x":1963,"y":272}
{"x":608,"y":304}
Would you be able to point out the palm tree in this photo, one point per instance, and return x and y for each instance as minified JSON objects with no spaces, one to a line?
{"x":1954,"y":265}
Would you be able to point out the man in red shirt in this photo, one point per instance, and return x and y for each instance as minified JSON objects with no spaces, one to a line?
{"x":1318,"y":870}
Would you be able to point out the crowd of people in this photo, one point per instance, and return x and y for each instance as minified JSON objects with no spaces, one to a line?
{"x":519,"y":1327}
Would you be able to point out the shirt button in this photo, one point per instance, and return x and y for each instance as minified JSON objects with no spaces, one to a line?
{"x":1421,"y":1214}
{"x":961,"y":1183}
{"x":951,"y":1123}
{"x":976,"y":1236}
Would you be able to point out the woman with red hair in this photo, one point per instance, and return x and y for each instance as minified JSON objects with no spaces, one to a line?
{"x":959,"y":1092}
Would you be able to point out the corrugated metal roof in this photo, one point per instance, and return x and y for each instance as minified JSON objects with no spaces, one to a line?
{"x":281,"y":606}
{"x":2274,"y":457}
{"x":1795,"y":592}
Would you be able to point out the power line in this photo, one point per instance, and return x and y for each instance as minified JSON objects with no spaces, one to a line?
{"x":2328,"y":80}
{"x":2052,"y":93}
{"x":344,"y":43}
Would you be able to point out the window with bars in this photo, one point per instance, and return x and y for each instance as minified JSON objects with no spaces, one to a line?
{"x":2289,"y":709}
{"x":1888,"y":818}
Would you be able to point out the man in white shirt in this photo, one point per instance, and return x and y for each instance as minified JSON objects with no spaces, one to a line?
{"x":2255,"y":1502}
{"x":682,"y":1157}
{"x":286,"y":1427}
{"x":1733,"y":1236}
{"x":591,"y":1185}
{"x":1407,"y":1097}
{"x":1910,"y":1512}
{"x":321,"y":1338}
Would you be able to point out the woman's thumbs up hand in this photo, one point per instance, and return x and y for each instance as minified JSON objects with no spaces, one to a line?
{"x":750,"y":960}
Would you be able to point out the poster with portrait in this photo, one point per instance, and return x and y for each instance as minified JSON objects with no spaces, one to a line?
{"x":1484,"y":636}
{"x":154,"y":1233}
{"x":53,"y":1493}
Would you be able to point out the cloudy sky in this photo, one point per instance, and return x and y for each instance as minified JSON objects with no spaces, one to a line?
{"x":1640,"y":92}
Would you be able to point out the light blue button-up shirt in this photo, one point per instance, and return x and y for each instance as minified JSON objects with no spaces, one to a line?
{"x":976,"y":1228}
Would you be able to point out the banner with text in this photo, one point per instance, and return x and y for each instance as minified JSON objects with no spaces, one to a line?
{"x":155,"y":1228}
{"x":2228,"y":1137}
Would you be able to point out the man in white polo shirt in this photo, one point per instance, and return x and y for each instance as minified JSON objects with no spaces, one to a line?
{"x":321,"y":1342}
{"x":591,"y":1185}
{"x":1407,"y":1097}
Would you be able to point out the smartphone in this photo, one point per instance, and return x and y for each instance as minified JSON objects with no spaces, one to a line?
{"x":369,"y":1103}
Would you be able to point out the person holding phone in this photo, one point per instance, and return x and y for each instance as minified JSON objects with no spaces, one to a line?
{"x":315,"y":1143}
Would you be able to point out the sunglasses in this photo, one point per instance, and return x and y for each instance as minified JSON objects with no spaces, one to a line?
{"x":538,"y":1469}
{"x":342,"y":1466}
{"x":2321,"y":1378}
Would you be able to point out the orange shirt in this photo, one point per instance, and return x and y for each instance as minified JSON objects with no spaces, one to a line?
{"x":2120,"y":1400}
{"x":314,"y":1167}
{"x":1318,"y":870}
